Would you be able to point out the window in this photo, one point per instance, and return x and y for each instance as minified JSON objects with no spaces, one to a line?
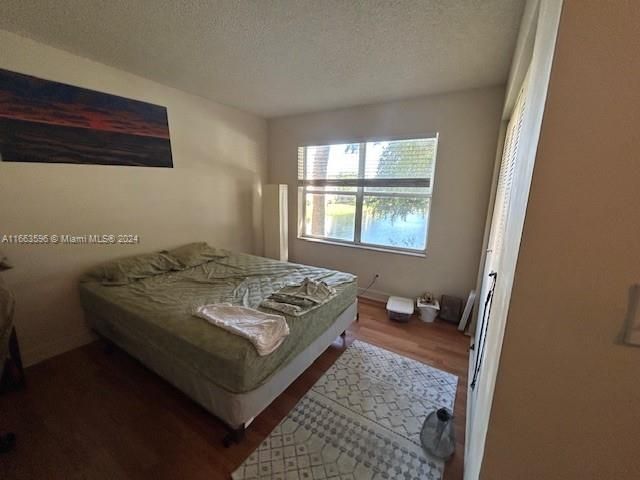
{"x":372,"y":194}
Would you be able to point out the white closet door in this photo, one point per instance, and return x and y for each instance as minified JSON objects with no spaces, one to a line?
{"x":507,"y":223}
{"x":508,"y":166}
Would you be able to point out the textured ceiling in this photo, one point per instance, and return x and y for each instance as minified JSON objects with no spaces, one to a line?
{"x":275,"y":57}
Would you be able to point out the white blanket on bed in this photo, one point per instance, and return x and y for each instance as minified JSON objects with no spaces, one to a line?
{"x":265,"y":331}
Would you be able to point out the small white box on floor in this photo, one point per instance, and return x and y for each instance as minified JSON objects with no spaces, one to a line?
{"x":428,"y":311}
{"x":400,"y":309}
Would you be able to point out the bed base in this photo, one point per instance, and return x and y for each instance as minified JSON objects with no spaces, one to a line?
{"x":235,"y":410}
{"x":233,"y":436}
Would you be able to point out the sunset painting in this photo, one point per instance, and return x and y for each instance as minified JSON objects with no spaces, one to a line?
{"x":51,"y":122}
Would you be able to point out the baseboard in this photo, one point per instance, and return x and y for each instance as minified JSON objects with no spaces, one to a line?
{"x":376,"y":295}
{"x":51,"y":349}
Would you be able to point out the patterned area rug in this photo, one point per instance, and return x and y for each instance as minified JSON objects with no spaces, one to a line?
{"x":360,"y":421}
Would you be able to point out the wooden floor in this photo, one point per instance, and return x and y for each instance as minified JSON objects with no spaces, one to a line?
{"x":89,"y":415}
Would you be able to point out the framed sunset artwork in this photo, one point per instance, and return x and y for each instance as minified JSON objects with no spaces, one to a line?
{"x":49,"y":122}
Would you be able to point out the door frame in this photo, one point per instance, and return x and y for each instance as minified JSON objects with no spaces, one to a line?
{"x":536,"y":45}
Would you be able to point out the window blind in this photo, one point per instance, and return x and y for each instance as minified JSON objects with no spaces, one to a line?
{"x":396,"y":163}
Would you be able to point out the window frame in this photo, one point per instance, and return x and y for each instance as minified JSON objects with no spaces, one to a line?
{"x":360,"y":194}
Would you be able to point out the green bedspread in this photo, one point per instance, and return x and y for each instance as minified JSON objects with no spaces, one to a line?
{"x":158,"y":310}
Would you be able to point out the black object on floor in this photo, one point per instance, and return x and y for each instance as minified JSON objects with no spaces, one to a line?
{"x":7,"y":442}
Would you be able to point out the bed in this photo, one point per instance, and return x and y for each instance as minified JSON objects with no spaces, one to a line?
{"x":145,"y":306}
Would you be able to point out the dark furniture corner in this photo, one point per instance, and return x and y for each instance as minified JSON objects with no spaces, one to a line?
{"x":12,"y":372}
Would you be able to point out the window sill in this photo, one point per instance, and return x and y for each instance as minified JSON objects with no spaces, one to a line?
{"x":337,"y":243}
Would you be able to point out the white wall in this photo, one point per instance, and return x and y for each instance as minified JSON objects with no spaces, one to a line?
{"x":468,"y":125}
{"x":212,"y":194}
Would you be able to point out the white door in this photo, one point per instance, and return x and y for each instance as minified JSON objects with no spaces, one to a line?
{"x":491,"y":278}
{"x":514,"y":181}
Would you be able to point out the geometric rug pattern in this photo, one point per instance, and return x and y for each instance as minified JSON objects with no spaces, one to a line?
{"x":360,"y":421}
